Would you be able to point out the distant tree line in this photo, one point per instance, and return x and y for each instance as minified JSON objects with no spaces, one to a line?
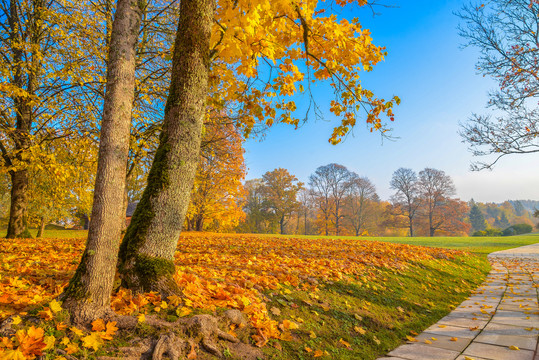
{"x":337,"y":201}
{"x":508,"y":218}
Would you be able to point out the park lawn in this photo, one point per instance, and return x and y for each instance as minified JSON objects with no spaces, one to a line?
{"x":333,"y":298}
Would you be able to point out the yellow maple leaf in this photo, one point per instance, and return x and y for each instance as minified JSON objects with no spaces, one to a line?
{"x":65,"y":340}
{"x":454,"y":339}
{"x":55,"y":306}
{"x":141,"y":318}
{"x":513,"y":347}
{"x":49,"y":341}
{"x":184,"y":311}
{"x":360,"y":330}
{"x":72,"y":348}
{"x":17,"y":320}
{"x":76,"y":331}
{"x":427,"y":341}
{"x":93,"y":341}
{"x":312,"y":335}
{"x":13,"y":355}
{"x":288,"y":325}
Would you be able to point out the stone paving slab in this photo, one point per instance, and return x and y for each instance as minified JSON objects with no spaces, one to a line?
{"x":499,"y":321}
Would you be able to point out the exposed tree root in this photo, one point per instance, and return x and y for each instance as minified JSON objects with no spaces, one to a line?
{"x":170,"y":345}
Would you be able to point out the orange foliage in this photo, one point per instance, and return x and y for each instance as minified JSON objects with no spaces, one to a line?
{"x":213,"y":271}
{"x":214,"y":204}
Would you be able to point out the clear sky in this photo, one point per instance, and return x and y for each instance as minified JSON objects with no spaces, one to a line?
{"x":436,"y":80}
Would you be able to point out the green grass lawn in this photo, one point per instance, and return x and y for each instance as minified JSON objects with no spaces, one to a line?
{"x":365,"y":319}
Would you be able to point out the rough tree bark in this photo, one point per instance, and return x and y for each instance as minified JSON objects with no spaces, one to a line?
{"x":147,"y":250}
{"x":24,"y":79}
{"x":87,"y":296}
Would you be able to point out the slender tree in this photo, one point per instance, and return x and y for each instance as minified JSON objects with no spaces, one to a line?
{"x":88,"y":294}
{"x":435,"y":189}
{"x":330,"y":184}
{"x":358,"y":203}
{"x":407,"y":197}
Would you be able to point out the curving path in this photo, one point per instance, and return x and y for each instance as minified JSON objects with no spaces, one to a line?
{"x":500,"y":321}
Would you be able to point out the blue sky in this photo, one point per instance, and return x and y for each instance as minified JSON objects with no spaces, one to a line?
{"x":438,"y":85}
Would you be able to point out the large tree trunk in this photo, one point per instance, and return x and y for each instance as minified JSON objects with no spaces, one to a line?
{"x":281,"y":224}
{"x":87,"y":296}
{"x":41,"y":229}
{"x":147,"y":250}
{"x":411,"y":225}
{"x":24,"y":79}
{"x":18,"y":226}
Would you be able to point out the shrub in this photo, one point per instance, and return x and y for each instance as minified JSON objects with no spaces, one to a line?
{"x":488,"y":232}
{"x":517,"y":229}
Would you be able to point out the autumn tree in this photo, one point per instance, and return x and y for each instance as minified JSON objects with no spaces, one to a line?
{"x":215,"y":197}
{"x":406,"y":200}
{"x":505,"y":32}
{"x":62,"y":181}
{"x":330,"y":184}
{"x":87,"y":296}
{"x":256,"y":207}
{"x":449,"y":219}
{"x":275,"y":37}
{"x":359,"y":202}
{"x":281,"y":190}
{"x":435,"y":190}
{"x":477,"y":220}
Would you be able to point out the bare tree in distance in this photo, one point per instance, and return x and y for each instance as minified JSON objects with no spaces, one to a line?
{"x":330,"y":184}
{"x":505,"y":32}
{"x":361,"y":194}
{"x":405,"y":181}
{"x":305,"y":198}
{"x":435,"y":188}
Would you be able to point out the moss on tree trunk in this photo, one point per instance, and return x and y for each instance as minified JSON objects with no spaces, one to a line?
{"x":147,"y":250}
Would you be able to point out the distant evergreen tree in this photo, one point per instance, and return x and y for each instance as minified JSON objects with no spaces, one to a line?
{"x":477,"y":220}
{"x":502,"y":222}
{"x":519,"y":208}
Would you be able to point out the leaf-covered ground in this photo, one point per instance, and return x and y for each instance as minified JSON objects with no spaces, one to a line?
{"x":340,"y":298}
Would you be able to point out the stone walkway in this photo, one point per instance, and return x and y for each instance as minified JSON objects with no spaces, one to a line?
{"x":500,"y":321}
